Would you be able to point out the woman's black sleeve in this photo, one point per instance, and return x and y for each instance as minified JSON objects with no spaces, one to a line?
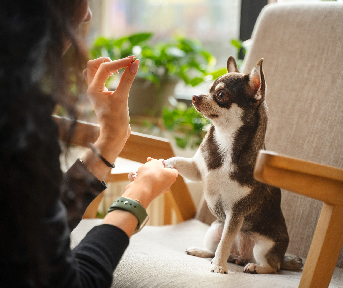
{"x":92,"y":262}
{"x":79,"y":188}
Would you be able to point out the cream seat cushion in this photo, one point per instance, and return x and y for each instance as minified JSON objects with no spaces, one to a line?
{"x":156,"y":258}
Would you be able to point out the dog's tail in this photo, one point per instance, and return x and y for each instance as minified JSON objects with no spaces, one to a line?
{"x":291,"y":263}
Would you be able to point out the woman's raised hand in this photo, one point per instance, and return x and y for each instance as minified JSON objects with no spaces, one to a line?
{"x":111,"y":107}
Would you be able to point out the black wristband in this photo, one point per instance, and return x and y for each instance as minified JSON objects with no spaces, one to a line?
{"x":96,"y":152}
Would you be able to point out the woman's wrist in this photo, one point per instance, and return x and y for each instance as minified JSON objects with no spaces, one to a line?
{"x":95,"y":165}
{"x":124,"y":220}
{"x":109,"y":149}
{"x":138,"y":193}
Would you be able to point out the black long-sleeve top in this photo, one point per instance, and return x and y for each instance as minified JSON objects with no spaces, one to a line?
{"x":92,"y":262}
{"x":39,"y":207}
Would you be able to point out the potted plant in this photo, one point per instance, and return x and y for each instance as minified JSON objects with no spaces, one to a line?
{"x":187,"y":126}
{"x":162,"y":65}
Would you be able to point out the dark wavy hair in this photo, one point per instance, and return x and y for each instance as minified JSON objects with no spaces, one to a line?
{"x":34,"y":77}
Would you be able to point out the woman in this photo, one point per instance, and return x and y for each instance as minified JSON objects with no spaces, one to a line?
{"x":39,"y":205}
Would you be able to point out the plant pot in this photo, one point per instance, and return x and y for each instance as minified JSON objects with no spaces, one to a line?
{"x":146,"y":98}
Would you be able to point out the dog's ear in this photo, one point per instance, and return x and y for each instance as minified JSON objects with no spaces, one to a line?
{"x":231,"y":65}
{"x":257,"y":84}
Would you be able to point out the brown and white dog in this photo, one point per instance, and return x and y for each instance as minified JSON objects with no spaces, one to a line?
{"x":250,"y":229}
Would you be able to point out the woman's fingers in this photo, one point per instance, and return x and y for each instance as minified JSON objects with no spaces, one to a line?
{"x":105,"y":70}
{"x":127,"y":78}
{"x":92,"y":68}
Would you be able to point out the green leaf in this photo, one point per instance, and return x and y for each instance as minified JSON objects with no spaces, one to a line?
{"x":181,"y":142}
{"x":175,"y":52}
{"x":196,"y":81}
{"x":101,"y":41}
{"x":210,"y":59}
{"x":236,"y":43}
{"x":217,"y":73}
{"x":138,"y":38}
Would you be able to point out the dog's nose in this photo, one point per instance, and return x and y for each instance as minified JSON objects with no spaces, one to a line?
{"x":196,"y":99}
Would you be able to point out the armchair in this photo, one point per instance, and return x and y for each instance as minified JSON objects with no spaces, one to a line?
{"x":302,"y":49}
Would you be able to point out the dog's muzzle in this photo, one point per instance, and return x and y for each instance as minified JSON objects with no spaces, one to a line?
{"x":196,"y":99}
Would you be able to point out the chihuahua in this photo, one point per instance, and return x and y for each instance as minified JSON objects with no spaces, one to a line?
{"x":250,"y":229}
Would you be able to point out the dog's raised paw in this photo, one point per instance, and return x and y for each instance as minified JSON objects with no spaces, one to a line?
{"x":169,"y":163}
{"x":132,"y":176}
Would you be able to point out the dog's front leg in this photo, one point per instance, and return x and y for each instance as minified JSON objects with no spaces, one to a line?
{"x":187,"y":167}
{"x":232,"y":225}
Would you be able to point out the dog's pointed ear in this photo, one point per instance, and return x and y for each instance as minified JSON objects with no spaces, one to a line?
{"x":257,"y":83}
{"x":231,"y":65}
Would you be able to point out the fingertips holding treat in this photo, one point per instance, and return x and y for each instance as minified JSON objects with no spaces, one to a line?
{"x":127,"y":78}
{"x":134,"y":66}
{"x":105,"y":68}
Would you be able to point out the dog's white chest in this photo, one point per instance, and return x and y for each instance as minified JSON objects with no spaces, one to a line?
{"x":217,"y":183}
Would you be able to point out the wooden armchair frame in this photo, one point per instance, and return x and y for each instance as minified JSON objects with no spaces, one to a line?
{"x":320,"y":182}
{"x":137,"y":148}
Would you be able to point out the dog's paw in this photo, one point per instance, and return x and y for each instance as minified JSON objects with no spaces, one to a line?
{"x":132,"y":176}
{"x":219,"y":269}
{"x":291,"y":263}
{"x":250,"y":268}
{"x":253,"y":268}
{"x":169,"y":163}
{"x":193,"y":251}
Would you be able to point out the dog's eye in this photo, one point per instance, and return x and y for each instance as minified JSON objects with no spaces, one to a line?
{"x":221,"y":95}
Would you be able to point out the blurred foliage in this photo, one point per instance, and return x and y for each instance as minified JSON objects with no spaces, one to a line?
{"x":241,"y":51}
{"x":188,"y":125}
{"x":180,"y":57}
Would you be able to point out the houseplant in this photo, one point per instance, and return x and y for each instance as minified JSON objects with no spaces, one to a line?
{"x":187,"y":126}
{"x":162,"y":65}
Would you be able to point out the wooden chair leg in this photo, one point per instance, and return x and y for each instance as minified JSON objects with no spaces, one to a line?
{"x":168,"y":208}
{"x":92,"y":209}
{"x":325,"y":248}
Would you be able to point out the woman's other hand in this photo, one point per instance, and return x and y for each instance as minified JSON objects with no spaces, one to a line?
{"x":111,"y":107}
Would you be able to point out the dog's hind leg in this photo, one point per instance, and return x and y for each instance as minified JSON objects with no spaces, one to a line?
{"x":212,"y":238}
{"x":267,"y":259}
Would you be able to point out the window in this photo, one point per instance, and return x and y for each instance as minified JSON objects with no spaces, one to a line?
{"x":213,"y":22}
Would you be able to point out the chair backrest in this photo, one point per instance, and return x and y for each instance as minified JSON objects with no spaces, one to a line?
{"x":303,"y":63}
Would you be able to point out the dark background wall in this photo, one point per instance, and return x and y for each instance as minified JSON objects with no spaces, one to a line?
{"x":250,"y":9}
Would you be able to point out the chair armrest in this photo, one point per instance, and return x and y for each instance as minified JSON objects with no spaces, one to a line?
{"x":137,"y":148}
{"x":321,"y":182}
